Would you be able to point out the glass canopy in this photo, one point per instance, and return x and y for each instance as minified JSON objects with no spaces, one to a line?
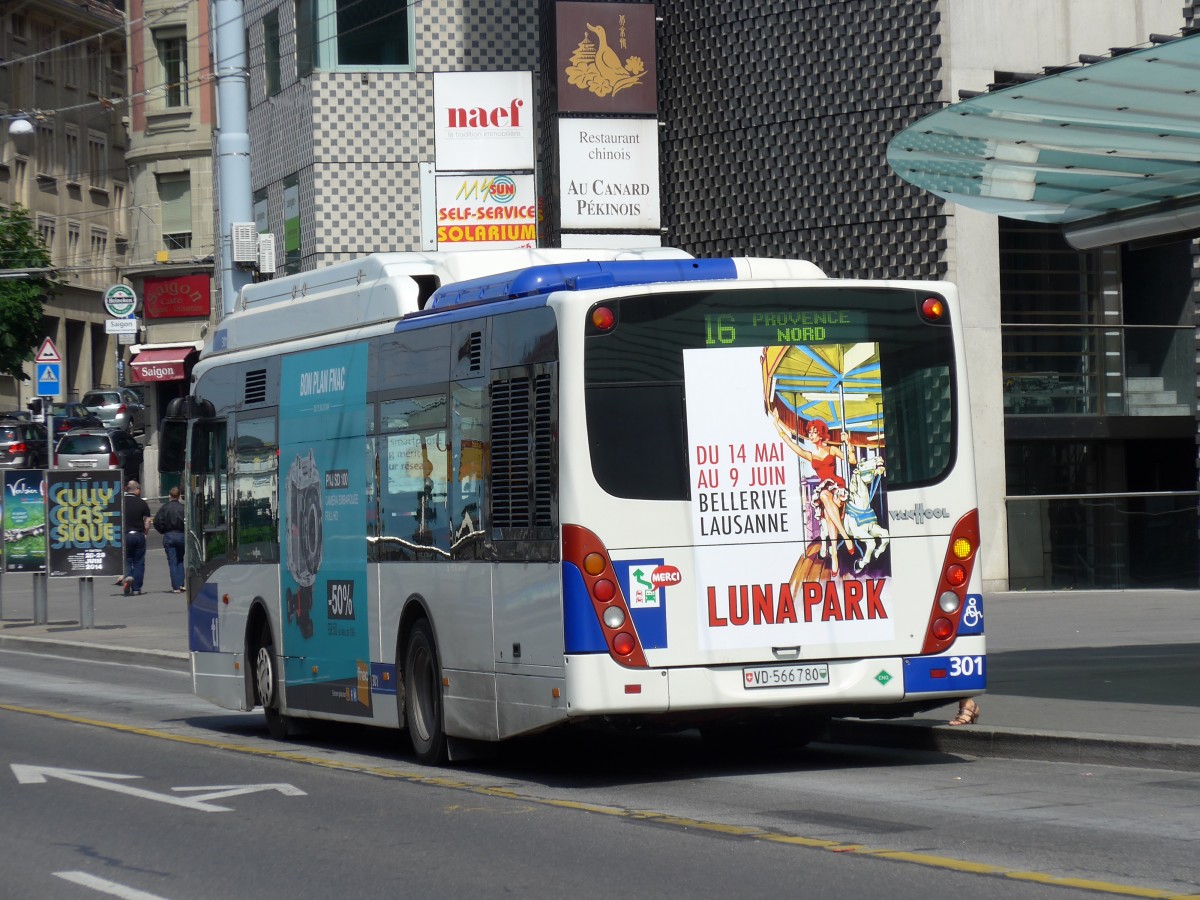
{"x":1110,"y":150}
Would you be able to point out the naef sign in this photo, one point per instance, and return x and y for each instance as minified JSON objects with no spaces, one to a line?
{"x":483,"y":121}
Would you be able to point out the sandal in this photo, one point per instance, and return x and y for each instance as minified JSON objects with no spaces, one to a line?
{"x":968,"y":714}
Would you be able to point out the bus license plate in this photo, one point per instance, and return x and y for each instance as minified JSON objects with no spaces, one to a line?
{"x":793,"y":675}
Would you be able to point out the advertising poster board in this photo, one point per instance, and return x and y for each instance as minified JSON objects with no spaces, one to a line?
{"x":83,"y":523}
{"x":322,"y":508}
{"x":491,"y":211}
{"x":789,"y":493}
{"x":24,"y":521}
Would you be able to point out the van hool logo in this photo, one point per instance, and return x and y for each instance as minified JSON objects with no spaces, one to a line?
{"x":919,"y":514}
{"x":597,"y":67}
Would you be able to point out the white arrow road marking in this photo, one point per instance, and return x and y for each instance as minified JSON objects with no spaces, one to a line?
{"x":107,"y":887}
{"x":40,"y":774}
{"x":232,"y":790}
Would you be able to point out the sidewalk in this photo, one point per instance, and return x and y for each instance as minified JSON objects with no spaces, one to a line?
{"x":1098,"y":677}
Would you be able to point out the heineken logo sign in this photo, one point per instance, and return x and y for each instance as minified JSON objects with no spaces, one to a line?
{"x":120,"y":301}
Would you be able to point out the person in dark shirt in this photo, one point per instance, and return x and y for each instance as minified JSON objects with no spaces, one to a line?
{"x":168,"y":522}
{"x":137,"y":520}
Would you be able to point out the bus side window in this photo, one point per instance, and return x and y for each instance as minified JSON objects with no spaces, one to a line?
{"x":256,"y":490}
{"x":414,"y":475}
{"x":467,"y":467}
{"x":207,"y":525}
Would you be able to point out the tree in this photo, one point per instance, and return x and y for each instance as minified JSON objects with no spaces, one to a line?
{"x":21,"y":299}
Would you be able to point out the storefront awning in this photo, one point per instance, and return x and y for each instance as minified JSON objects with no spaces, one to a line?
{"x":162,"y":364}
{"x":1109,"y":149}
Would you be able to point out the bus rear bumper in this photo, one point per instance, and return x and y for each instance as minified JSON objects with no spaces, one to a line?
{"x":596,"y":685}
{"x":220,"y":678}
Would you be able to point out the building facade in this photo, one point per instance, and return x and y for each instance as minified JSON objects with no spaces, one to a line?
{"x":62,"y":70}
{"x":170,"y":257}
{"x":774,"y":121}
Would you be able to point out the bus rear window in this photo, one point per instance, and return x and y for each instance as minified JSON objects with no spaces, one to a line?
{"x":862,"y":360}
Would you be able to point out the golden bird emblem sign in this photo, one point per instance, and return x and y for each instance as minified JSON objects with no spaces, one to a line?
{"x":606,"y":57}
{"x":597,"y":67}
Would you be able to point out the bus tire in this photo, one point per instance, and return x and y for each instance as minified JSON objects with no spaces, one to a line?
{"x":266,"y":685}
{"x":423,"y":696}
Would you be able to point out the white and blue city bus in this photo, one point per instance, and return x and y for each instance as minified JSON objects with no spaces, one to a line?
{"x":480,"y":495}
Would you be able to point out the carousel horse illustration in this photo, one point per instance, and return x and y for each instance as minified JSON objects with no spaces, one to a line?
{"x":859,"y":517}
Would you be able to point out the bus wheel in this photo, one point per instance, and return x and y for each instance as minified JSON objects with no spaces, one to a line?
{"x":423,"y":696}
{"x":266,"y":684}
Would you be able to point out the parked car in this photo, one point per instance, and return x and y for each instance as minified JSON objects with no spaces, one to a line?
{"x":99,"y":448}
{"x":22,"y":444}
{"x":117,"y":408}
{"x":70,"y":415}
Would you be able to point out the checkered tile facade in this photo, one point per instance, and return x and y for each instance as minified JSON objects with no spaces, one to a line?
{"x":357,"y":138}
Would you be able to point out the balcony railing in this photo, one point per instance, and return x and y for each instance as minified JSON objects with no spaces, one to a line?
{"x":1104,"y":541}
{"x":1133,"y":370}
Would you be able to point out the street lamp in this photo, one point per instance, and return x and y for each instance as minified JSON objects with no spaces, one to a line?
{"x":21,"y":131}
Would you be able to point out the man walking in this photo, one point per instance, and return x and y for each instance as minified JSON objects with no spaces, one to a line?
{"x":137,"y":520}
{"x":168,"y":522}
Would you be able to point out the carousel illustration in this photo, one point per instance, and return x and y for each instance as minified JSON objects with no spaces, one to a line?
{"x":826,"y":402}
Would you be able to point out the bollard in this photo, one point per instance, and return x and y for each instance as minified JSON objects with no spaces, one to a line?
{"x":87,"y":602}
{"x":40,"y":615}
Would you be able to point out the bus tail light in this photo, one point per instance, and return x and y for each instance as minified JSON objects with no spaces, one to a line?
{"x":961,"y":553}
{"x":584,"y":550}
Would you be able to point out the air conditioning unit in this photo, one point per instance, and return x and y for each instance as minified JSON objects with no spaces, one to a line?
{"x":266,"y":254}
{"x":245,"y":242}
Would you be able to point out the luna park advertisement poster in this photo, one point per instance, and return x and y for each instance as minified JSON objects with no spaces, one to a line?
{"x":83,"y":523}
{"x":24,"y":521}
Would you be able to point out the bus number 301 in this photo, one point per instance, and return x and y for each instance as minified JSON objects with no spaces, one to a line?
{"x":966,"y":666}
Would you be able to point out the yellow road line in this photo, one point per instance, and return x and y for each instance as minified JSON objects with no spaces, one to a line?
{"x":670,"y":821}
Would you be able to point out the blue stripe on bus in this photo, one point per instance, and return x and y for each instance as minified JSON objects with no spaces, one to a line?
{"x":938,"y":674}
{"x":202,"y":620}
{"x":383,"y":678}
{"x":581,"y":631}
{"x":578,"y":276}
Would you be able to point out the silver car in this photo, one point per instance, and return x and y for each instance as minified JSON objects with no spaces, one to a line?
{"x":100,"y":448}
{"x":117,"y":408}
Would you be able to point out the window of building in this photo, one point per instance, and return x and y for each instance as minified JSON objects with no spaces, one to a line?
{"x":45,"y":149}
{"x":43,"y":48}
{"x":73,"y":232}
{"x":352,"y":34}
{"x":45,"y":228}
{"x":21,"y":185}
{"x":262,"y":220}
{"x":95,"y":67}
{"x":173,"y":66}
{"x":271,"y":51}
{"x":306,"y":38}
{"x":72,"y":53}
{"x":372,"y":33}
{"x":71,"y":149}
{"x":291,"y":224}
{"x":99,"y":254}
{"x":175,"y":203}
{"x":98,"y":159}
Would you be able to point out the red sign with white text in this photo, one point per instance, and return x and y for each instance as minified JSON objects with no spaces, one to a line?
{"x":182,"y":297}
